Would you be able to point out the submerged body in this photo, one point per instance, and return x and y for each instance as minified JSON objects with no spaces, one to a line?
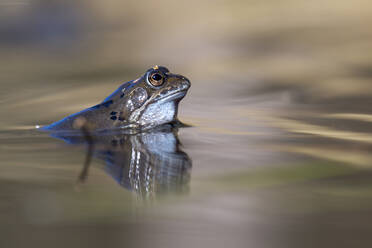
{"x":146,"y":102}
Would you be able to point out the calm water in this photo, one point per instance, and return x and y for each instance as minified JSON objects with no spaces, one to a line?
{"x":277,"y":155}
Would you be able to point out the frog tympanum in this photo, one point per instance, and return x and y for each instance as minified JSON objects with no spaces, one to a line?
{"x":144,"y":103}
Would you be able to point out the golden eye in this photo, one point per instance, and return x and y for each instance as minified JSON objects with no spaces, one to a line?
{"x":156,"y":79}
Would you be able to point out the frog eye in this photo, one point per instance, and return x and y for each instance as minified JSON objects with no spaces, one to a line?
{"x":156,"y":79}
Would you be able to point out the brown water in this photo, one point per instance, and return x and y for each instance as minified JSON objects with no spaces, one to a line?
{"x":279,"y":106}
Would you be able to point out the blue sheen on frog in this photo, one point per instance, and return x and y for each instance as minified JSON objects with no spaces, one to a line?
{"x":144,"y":103}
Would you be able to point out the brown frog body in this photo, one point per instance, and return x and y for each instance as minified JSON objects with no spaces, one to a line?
{"x":147,"y":102}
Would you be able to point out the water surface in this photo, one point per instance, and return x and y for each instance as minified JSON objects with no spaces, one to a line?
{"x":277,"y":155}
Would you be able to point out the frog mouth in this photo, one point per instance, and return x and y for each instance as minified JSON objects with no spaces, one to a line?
{"x":170,"y":97}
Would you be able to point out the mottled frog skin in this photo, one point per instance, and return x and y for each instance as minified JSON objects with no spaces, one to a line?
{"x":144,"y":103}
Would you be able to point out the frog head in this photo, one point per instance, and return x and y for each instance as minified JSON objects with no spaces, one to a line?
{"x":152,"y":99}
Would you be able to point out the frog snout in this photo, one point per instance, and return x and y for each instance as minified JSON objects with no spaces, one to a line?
{"x":184,"y":82}
{"x":185,"y":85}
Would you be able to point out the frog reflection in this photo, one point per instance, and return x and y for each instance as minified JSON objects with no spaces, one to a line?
{"x":148,"y":163}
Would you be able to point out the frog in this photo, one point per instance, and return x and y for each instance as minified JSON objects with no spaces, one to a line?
{"x":144,"y":103}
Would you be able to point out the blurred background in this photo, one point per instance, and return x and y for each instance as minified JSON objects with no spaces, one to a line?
{"x":280,"y":108}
